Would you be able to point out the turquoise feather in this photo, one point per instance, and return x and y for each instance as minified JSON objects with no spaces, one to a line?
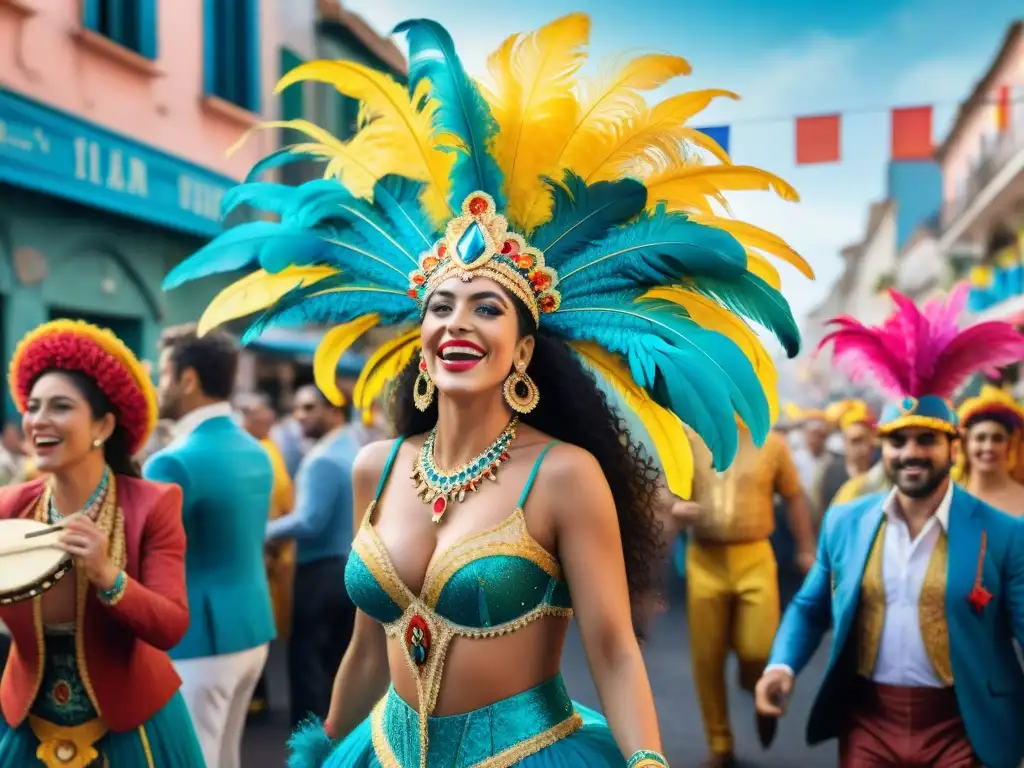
{"x":399,"y":199}
{"x":659,"y":249}
{"x":282,"y":157}
{"x":310,"y":304}
{"x":666,"y":348}
{"x":751,"y":297}
{"x":262,"y":195}
{"x":583,"y":214}
{"x":309,"y":744}
{"x":462,"y":110}
{"x":242,"y":248}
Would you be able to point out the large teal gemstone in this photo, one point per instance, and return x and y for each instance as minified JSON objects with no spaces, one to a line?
{"x":471,"y":245}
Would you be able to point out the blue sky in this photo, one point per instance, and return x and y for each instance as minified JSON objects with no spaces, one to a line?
{"x":785,"y":58}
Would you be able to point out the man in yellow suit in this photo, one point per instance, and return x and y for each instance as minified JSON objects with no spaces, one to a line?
{"x":258,"y":418}
{"x":731,"y":572}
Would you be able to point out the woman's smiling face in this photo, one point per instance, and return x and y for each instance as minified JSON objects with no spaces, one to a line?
{"x":470,"y":337}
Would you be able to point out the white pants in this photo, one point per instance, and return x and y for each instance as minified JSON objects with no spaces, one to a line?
{"x":217,"y":690}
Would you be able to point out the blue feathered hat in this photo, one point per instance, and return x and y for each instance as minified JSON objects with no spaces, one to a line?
{"x":590,"y":206}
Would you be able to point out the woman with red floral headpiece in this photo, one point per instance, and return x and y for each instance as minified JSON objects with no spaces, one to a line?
{"x":89,"y":681}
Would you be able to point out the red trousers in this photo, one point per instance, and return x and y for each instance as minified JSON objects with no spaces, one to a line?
{"x":892,"y":726}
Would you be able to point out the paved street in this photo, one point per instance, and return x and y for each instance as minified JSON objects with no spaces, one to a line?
{"x":669,"y":667}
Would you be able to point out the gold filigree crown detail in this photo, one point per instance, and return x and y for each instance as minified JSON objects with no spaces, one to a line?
{"x":479,"y":244}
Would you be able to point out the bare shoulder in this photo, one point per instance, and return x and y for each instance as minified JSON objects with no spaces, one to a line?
{"x":569,"y":472}
{"x":372,"y":459}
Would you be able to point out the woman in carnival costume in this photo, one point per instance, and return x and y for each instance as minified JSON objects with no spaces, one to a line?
{"x":990,"y":464}
{"x":518,"y":235}
{"x":89,"y":681}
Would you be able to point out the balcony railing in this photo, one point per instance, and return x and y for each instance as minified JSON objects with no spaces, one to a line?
{"x":997,"y":152}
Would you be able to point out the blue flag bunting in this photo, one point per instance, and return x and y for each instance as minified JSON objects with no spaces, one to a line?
{"x":719,"y":133}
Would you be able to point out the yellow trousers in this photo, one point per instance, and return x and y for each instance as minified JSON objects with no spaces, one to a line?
{"x":732,"y":601}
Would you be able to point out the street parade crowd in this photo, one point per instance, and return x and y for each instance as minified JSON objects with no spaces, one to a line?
{"x":568,"y":385}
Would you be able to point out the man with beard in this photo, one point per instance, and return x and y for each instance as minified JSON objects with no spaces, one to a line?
{"x":321,"y":525}
{"x":226,"y":479}
{"x":923,"y":587}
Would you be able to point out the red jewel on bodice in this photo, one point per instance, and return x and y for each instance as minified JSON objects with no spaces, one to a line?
{"x":417,"y":639}
{"x":61,"y":693}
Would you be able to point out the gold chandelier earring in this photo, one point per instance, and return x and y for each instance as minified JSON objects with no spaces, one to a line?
{"x":423,"y":388}
{"x":520,"y":391}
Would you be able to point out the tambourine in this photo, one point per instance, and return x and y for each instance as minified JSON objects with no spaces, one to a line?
{"x":30,"y":561}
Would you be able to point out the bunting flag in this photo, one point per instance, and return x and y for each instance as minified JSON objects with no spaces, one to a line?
{"x":1003,"y":109}
{"x":911,"y":137}
{"x":818,"y":138}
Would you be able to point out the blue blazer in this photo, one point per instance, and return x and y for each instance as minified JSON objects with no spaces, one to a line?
{"x":987,"y":676}
{"x":226,"y":479}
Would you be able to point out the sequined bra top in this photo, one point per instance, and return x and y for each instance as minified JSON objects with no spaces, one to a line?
{"x":490,"y":583}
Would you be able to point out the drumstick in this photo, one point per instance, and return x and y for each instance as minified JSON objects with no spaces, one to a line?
{"x":52,"y":529}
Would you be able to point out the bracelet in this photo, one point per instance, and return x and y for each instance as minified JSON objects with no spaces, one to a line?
{"x":113,"y":595}
{"x":646,"y":758}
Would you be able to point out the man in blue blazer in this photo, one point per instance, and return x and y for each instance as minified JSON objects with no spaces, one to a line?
{"x":923,"y":588}
{"x":227,"y":480}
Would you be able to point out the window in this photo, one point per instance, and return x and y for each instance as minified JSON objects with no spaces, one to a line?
{"x":129,"y":23}
{"x":232,"y":57}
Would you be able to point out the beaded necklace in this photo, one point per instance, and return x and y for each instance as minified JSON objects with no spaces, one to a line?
{"x":91,"y":506}
{"x":438,"y":487}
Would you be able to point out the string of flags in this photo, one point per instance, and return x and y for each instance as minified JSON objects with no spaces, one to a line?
{"x":818,"y":138}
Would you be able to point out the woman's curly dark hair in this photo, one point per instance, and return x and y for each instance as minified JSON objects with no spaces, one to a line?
{"x":573,"y":409}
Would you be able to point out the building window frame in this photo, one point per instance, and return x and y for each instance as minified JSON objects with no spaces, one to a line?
{"x":231,"y":52}
{"x":131,"y":24}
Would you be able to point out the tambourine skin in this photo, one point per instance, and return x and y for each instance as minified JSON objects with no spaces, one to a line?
{"x":28,"y":567}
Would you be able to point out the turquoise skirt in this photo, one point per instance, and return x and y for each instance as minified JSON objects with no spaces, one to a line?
{"x":170,"y":735}
{"x":539,"y":728}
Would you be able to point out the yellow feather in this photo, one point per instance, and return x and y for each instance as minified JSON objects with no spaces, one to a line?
{"x":684,"y":187}
{"x":255,"y":292}
{"x":659,"y":130}
{"x":532,"y":78}
{"x":383,"y":367}
{"x":764,"y":241}
{"x":760,"y":266}
{"x":328,"y":354}
{"x":708,"y":314}
{"x":666,"y":430}
{"x":402,"y":129}
{"x":604,"y":103}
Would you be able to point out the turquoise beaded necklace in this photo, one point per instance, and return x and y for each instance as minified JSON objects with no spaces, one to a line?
{"x":438,"y":488}
{"x":94,"y":501}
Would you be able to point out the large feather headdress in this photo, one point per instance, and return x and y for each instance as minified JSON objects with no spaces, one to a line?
{"x":919,"y":357}
{"x":584,"y":202}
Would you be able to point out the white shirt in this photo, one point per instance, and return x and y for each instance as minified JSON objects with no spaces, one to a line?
{"x":188,"y":423}
{"x":902,"y":658}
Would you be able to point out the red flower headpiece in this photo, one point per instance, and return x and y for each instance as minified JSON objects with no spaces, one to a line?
{"x":73,"y":345}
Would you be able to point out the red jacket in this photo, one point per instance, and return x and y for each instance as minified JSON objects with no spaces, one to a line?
{"x":121,"y":648}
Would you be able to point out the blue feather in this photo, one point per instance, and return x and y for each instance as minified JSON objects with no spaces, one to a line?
{"x":462,"y":110}
{"x":399,"y":198}
{"x":330,"y":306}
{"x":262,"y":195}
{"x":239,"y":248}
{"x":700,"y":375}
{"x":659,"y":249}
{"x":584,"y":214}
{"x":282,"y":157}
{"x":751,"y":297}
{"x":309,"y":744}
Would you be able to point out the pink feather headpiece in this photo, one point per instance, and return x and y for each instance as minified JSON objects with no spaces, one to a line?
{"x":923,"y":351}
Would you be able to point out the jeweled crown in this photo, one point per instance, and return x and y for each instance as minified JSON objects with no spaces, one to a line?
{"x":479,"y":244}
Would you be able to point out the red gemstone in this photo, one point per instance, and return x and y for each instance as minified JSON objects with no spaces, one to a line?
{"x":62,"y":693}
{"x":504,"y":457}
{"x":413,"y":293}
{"x":510,"y":248}
{"x":423,"y":365}
{"x":439,"y":506}
{"x":442,"y":250}
{"x":477,"y":206}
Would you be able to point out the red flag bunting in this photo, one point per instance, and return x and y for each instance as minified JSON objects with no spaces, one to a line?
{"x":817,"y":139}
{"x":911,"y":133}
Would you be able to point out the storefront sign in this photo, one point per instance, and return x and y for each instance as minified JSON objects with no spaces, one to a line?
{"x":60,"y":155}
